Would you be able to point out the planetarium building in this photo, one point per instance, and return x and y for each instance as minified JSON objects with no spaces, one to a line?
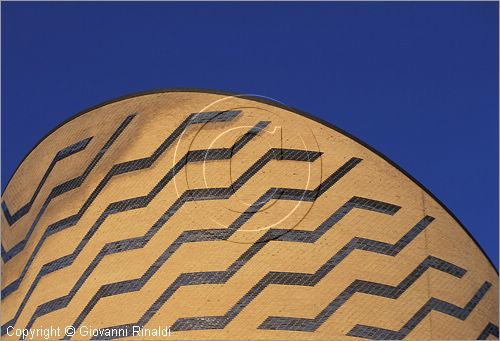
{"x":201,"y":215}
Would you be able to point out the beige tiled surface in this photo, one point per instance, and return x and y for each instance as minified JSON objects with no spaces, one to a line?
{"x":157,"y":116}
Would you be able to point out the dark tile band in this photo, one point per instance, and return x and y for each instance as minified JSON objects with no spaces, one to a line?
{"x":368,"y":332}
{"x":64,"y":188}
{"x":221,"y":277}
{"x":59,"y":190}
{"x":117,"y":169}
{"x":365,"y":287}
{"x":139,"y":242}
{"x":134,"y":203}
{"x":490,"y":329}
{"x":21,"y":212}
{"x":304,"y":279}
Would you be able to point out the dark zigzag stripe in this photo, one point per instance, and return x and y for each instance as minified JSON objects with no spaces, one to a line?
{"x":368,"y":332}
{"x":303,"y":279}
{"x":139,"y":242}
{"x":121,"y":168}
{"x":364,"y":287}
{"x":189,"y":195}
{"x":138,"y":202}
{"x":220,"y":277}
{"x":65,"y":187}
{"x":490,"y":329}
{"x":60,"y":155}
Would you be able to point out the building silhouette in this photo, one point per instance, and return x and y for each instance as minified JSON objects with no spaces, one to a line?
{"x":214,"y":216}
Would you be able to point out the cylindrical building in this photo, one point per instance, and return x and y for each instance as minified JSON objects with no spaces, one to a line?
{"x":201,"y":215}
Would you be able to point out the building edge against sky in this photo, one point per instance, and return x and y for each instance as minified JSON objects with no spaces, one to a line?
{"x":232,"y":217}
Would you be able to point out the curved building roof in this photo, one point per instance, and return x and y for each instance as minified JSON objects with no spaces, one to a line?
{"x":217,"y":216}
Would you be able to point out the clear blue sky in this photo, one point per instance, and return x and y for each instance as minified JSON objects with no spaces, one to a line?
{"x":417,"y":81}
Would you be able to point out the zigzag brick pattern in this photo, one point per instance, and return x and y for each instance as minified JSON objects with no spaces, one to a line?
{"x":62,"y":154}
{"x":230,"y":217}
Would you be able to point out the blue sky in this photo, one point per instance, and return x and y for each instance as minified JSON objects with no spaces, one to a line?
{"x":417,"y":81}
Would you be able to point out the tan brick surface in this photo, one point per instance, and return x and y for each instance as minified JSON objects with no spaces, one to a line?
{"x":157,"y":116}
